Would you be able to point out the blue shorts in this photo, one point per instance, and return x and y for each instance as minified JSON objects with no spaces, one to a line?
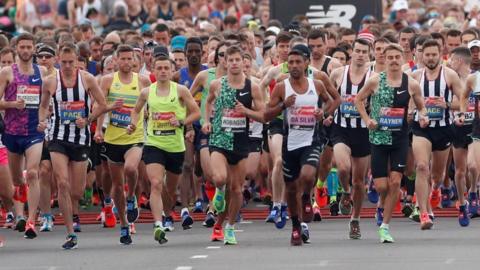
{"x":201,"y":139}
{"x":18,"y":144}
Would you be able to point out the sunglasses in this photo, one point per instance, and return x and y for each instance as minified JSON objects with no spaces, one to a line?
{"x":222,"y":54}
{"x":44,"y":56}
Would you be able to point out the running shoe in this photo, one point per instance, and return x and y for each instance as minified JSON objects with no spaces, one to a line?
{"x":473,"y":204}
{"x":346,"y":204}
{"x":21,"y":193}
{"x":110,"y":219}
{"x":435,"y":198}
{"x":317,"y":214}
{"x":131,"y":227}
{"x":9,"y":221}
{"x":247,"y":195}
{"x":280,"y":223}
{"x":274,"y":215}
{"x":385,"y":236}
{"x":76,"y":224}
{"x":159,"y":235}
{"x":425,"y":222}
{"x":168,"y":224}
{"x":463,"y":217}
{"x":305,"y":233}
{"x":355,"y":230}
{"x":217,"y":234}
{"x":47,"y":223}
{"x":407,"y":209}
{"x":71,"y":243}
{"x":446,"y":197}
{"x":143,"y":202}
{"x":321,"y":196}
{"x":209,"y":220}
{"x":379,"y":216}
{"x":187,"y":220}
{"x":101,"y":216}
{"x":198,"y":208}
{"x":267,"y":199}
{"x":219,"y":201}
{"x":20,"y":224}
{"x":372,"y":193}
{"x":133,"y":212}
{"x":307,"y":211}
{"x":125,"y":238}
{"x":30,"y":232}
{"x":229,"y":238}
{"x":334,"y":208}
{"x":415,"y":216}
{"x":296,"y":239}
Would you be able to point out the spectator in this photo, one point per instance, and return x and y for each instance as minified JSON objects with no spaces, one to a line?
{"x":120,"y":19}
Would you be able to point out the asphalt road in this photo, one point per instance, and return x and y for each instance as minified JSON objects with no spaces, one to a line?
{"x":261,"y":246}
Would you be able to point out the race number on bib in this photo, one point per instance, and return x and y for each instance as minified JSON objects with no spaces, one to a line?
{"x":161,"y":124}
{"x":391,"y":119}
{"x":470,"y":113}
{"x":347,"y":108}
{"x":70,"y":111}
{"x":233,"y":121}
{"x":121,"y":117}
{"x":434,"y":112}
{"x":31,"y":95}
{"x":302,"y":118}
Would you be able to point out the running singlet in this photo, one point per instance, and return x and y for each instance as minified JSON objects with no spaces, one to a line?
{"x":23,"y":122}
{"x":68,"y":105}
{"x":206,"y":90}
{"x":186,"y":80}
{"x":300,"y":123}
{"x":431,"y":91}
{"x":160,"y":133}
{"x":389,"y":107}
{"x":120,"y":118}
{"x":229,"y":127}
{"x":347,"y":115}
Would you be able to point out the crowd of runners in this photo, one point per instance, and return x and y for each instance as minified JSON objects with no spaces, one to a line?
{"x":208,"y":107}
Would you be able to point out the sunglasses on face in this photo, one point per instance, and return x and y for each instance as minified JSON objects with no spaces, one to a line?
{"x":222,"y":54}
{"x":44,"y":56}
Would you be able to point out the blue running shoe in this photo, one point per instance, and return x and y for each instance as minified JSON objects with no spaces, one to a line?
{"x":379,"y":216}
{"x":125,"y":238}
{"x":168,"y":224}
{"x":473,"y":204}
{"x":187,"y":220}
{"x":76,"y":224}
{"x":282,"y":221}
{"x":71,"y":243}
{"x":305,"y":233}
{"x":132,"y":210}
{"x":463,"y":218}
{"x":446,"y":197}
{"x":198,"y":208}
{"x":372,"y":193}
{"x":274,"y":213}
{"x":209,"y":220}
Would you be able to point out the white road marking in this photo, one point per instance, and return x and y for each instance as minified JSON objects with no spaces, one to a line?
{"x":184,"y":268}
{"x":246,"y":222}
{"x":238,"y":230}
{"x":213,"y":247}
{"x":199,"y":257}
{"x":323,"y":263}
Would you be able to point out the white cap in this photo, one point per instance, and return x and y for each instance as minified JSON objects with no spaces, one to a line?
{"x":273,"y":29}
{"x":399,"y":5}
{"x":474,"y":43}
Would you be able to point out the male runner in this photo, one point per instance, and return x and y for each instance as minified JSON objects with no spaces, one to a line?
{"x":390,"y":93}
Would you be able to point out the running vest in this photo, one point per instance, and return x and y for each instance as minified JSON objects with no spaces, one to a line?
{"x":325,"y":64}
{"x":211,"y":75}
{"x":68,"y":104}
{"x":389,"y":107}
{"x":186,"y":80}
{"x":120,"y":118}
{"x":347,"y":115}
{"x":229,"y":127}
{"x":160,"y":133}
{"x":300,"y":123}
{"x":23,"y":122}
{"x":432,"y":90}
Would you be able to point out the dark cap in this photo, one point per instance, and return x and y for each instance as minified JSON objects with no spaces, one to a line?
{"x":45,"y":49}
{"x":160,"y":50}
{"x":300,"y":49}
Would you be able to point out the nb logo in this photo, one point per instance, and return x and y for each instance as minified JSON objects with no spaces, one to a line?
{"x":341,"y":14}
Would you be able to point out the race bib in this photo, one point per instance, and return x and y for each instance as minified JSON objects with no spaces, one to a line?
{"x":470,"y":113}
{"x":347,"y":108}
{"x":302,"y":118}
{"x":434,"y":112}
{"x":161,"y":124}
{"x":121,"y":117}
{"x":391,"y":119}
{"x":31,"y":95}
{"x":70,"y":111}
{"x":233,"y":121}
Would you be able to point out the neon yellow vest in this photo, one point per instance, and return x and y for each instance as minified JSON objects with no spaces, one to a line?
{"x":160,"y":133}
{"x":120,"y":118}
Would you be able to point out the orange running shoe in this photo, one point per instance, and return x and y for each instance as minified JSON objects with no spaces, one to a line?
{"x":435,"y":198}
{"x":425,"y":222}
{"x":321,"y":196}
{"x":209,"y":190}
{"x":21,"y":193}
{"x":217,"y":234}
{"x":110,"y":219}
